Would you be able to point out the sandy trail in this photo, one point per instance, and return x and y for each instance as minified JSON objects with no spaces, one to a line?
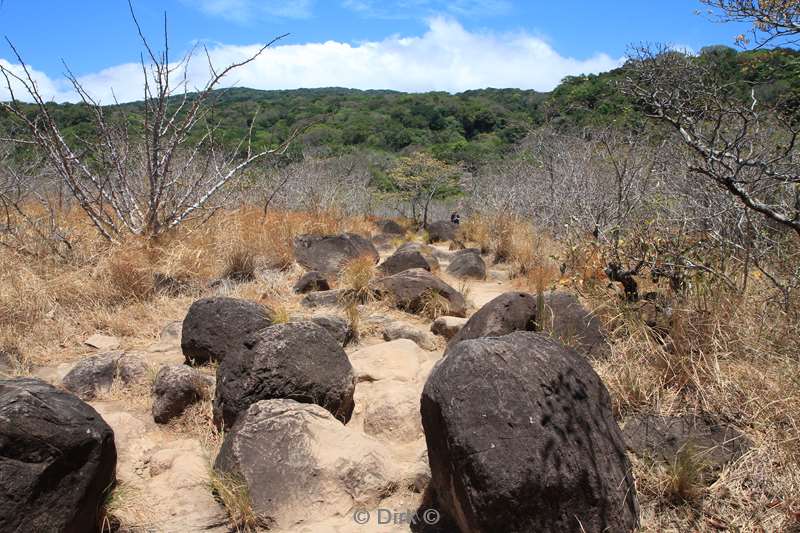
{"x":165,"y":473}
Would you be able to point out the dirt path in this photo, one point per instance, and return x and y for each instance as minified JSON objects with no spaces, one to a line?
{"x":164,"y":474}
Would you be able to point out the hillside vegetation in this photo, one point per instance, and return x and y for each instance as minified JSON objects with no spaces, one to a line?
{"x":473,"y":127}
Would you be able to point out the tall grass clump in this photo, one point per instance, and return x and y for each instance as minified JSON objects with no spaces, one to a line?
{"x":355,"y":278}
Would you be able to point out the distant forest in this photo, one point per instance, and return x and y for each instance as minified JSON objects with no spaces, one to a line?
{"x":473,"y":127}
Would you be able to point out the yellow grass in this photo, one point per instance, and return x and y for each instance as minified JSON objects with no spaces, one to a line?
{"x":734,"y":355}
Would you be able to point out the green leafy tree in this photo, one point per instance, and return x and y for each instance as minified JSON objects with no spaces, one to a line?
{"x":420,"y":178}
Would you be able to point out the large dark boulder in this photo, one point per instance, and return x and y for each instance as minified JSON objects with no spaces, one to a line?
{"x":176,"y":388}
{"x":338,"y":327}
{"x":428,"y":252}
{"x":299,"y":361}
{"x":310,"y":282}
{"x":390,"y":227}
{"x":467,"y":264}
{"x":213,"y":327}
{"x":567,"y":319}
{"x":57,"y":459}
{"x":383,"y":242}
{"x":97,"y":373}
{"x":509,"y":312}
{"x":521,"y":438}
{"x":441,"y":230}
{"x":663,"y":438}
{"x":400,"y":261}
{"x":411,"y":291}
{"x":329,"y":253}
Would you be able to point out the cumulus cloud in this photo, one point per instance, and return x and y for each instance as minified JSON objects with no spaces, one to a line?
{"x":402,"y":9}
{"x":248,"y":10}
{"x":447,"y":57}
{"x":51,"y":90}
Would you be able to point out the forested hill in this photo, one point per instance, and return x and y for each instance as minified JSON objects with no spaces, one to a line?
{"x":473,"y":127}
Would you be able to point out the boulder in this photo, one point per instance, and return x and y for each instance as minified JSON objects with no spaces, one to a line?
{"x":400,"y":261}
{"x":176,"y":388}
{"x":328,"y":254}
{"x":430,"y":253}
{"x":521,"y":437}
{"x":383,"y":242}
{"x":416,"y":247}
{"x":463,"y":251}
{"x":664,"y":437}
{"x":300,"y":464}
{"x":398,"y":360}
{"x":57,"y":459}
{"x":410,"y":289}
{"x":400,"y":330}
{"x":511,"y":311}
{"x":467,"y":265}
{"x":569,"y":321}
{"x":390,"y":227}
{"x":169,"y":340}
{"x":448,"y":326}
{"x":389,"y":410}
{"x":441,"y":230}
{"x":310,"y":282}
{"x":298,"y":360}
{"x":171,"y":333}
{"x":337,"y":326}
{"x":104,"y":343}
{"x":213,"y":327}
{"x":329,"y":298}
{"x":97,"y":373}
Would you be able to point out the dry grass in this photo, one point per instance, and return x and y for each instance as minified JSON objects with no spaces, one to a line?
{"x":233,"y":493}
{"x":464,"y":286}
{"x":730,"y":355}
{"x":432,"y":305}
{"x":137,"y":396}
{"x":353,"y":317}
{"x":124,"y":505}
{"x":712,"y":351}
{"x":355,"y":278}
{"x":131,"y":289}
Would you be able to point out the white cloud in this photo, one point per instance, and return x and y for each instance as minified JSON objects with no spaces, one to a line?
{"x":250,"y":10}
{"x":447,"y":57}
{"x":408,"y":9}
{"x":51,"y":90}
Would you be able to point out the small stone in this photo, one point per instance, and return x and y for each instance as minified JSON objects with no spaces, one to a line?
{"x":101,"y":342}
{"x":448,"y":326}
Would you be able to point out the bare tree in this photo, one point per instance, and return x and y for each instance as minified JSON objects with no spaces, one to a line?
{"x":775,"y":22}
{"x":148,"y":178}
{"x":29,"y":216}
{"x":743,"y":146}
{"x":320,"y":184}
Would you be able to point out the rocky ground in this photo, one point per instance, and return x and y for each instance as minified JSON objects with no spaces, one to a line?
{"x":164,"y":470}
{"x":339,"y":412}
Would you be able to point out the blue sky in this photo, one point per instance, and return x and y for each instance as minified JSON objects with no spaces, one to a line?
{"x":412,"y":45}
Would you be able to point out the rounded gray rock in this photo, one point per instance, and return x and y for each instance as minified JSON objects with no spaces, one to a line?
{"x":298,"y":361}
{"x":521,"y":437}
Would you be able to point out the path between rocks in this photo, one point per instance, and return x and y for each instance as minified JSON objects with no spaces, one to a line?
{"x":165,"y":474}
